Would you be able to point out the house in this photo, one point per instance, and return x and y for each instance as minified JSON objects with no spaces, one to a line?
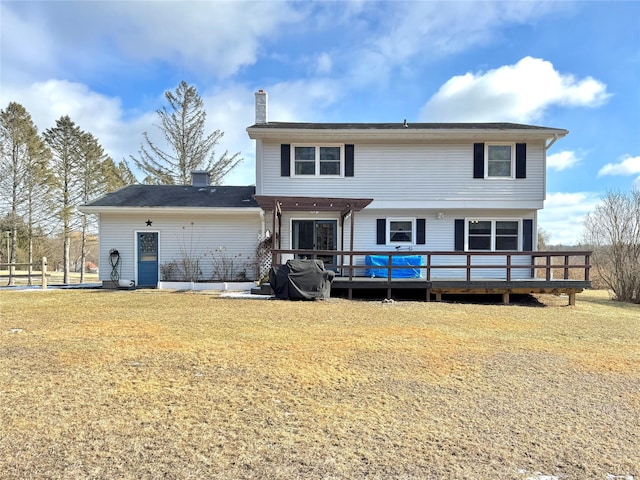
{"x":445,"y":194}
{"x":150,"y":233}
{"x":447,"y":206}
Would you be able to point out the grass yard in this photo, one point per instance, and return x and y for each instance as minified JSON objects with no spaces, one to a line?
{"x":153,"y":384}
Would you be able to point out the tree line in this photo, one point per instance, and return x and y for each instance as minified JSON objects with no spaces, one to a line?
{"x":612,"y":231}
{"x":45,"y":177}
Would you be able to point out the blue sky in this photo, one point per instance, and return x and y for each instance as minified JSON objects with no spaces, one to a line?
{"x":572,"y":65}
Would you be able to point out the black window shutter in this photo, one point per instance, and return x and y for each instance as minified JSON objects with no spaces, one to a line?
{"x":527,"y":235}
{"x":478,"y":160}
{"x":348,"y":160}
{"x":381,"y":231}
{"x":459,"y":235}
{"x":421,"y":236}
{"x":285,"y":160}
{"x":521,"y":160}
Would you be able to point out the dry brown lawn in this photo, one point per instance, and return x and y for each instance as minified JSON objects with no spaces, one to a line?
{"x":151,"y":384}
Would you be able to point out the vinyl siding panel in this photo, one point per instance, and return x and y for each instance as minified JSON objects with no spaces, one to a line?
{"x":206,"y":237}
{"x":429,"y":172}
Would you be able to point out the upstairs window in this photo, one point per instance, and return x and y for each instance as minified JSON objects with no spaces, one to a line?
{"x":329,"y":160}
{"x":319,"y":160}
{"x":500,"y":159}
{"x":305,"y":160}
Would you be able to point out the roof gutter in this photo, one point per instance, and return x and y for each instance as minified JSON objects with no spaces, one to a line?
{"x":401,"y":135}
{"x":134,"y":210}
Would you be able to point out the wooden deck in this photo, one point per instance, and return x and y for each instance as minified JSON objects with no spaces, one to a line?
{"x":434,"y":289}
{"x":565,"y":272}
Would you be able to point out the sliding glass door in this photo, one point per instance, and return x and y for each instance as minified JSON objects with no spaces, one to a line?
{"x":315,"y":235}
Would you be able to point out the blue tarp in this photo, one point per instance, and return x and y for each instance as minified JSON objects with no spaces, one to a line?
{"x":382,"y":261}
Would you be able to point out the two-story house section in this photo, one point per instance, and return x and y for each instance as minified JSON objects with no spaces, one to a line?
{"x":437,"y":187}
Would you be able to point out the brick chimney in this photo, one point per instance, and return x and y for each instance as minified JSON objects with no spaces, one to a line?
{"x":200,"y":178}
{"x":262,"y":100}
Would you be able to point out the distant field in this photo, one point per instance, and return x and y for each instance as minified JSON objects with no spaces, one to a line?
{"x":151,"y":384}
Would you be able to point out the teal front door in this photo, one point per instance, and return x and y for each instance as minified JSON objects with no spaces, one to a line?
{"x":147,"y":259}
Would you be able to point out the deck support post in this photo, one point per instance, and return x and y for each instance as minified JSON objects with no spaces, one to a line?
{"x":438,"y":297}
{"x":505,"y":298}
{"x":572,"y":299}
{"x":351,"y":237}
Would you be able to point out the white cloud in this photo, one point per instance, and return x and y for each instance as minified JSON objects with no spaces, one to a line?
{"x":98,"y":114}
{"x":324,"y":64}
{"x":563,"y":160}
{"x":301,"y":100}
{"x":34,"y":54}
{"x":414,"y":33}
{"x":626,"y":166}
{"x":518,"y":93}
{"x":217,"y":38}
{"x":563,"y":215}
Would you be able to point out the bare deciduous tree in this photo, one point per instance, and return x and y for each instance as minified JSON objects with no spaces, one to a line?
{"x":183,"y":126}
{"x":543,"y":238}
{"x":613,"y":231}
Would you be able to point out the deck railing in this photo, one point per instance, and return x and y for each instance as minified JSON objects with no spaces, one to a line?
{"x":551,"y":261}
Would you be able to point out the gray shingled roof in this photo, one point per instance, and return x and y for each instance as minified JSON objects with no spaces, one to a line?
{"x":178,"y":196}
{"x":400,"y":126}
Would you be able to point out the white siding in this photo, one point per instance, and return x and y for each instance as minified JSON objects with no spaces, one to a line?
{"x":404,"y":172}
{"x":202,"y":236}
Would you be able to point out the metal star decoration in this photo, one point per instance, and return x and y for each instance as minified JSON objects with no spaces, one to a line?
{"x":149,"y":222}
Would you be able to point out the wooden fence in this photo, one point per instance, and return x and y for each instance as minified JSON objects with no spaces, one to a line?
{"x":11,"y":276}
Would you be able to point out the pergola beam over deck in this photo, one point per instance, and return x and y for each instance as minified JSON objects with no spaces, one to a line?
{"x":278,"y":204}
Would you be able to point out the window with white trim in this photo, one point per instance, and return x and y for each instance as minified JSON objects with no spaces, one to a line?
{"x":507,"y":235}
{"x":493,"y":235}
{"x":401,"y":231}
{"x":500,"y":159}
{"x":318,"y":160}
